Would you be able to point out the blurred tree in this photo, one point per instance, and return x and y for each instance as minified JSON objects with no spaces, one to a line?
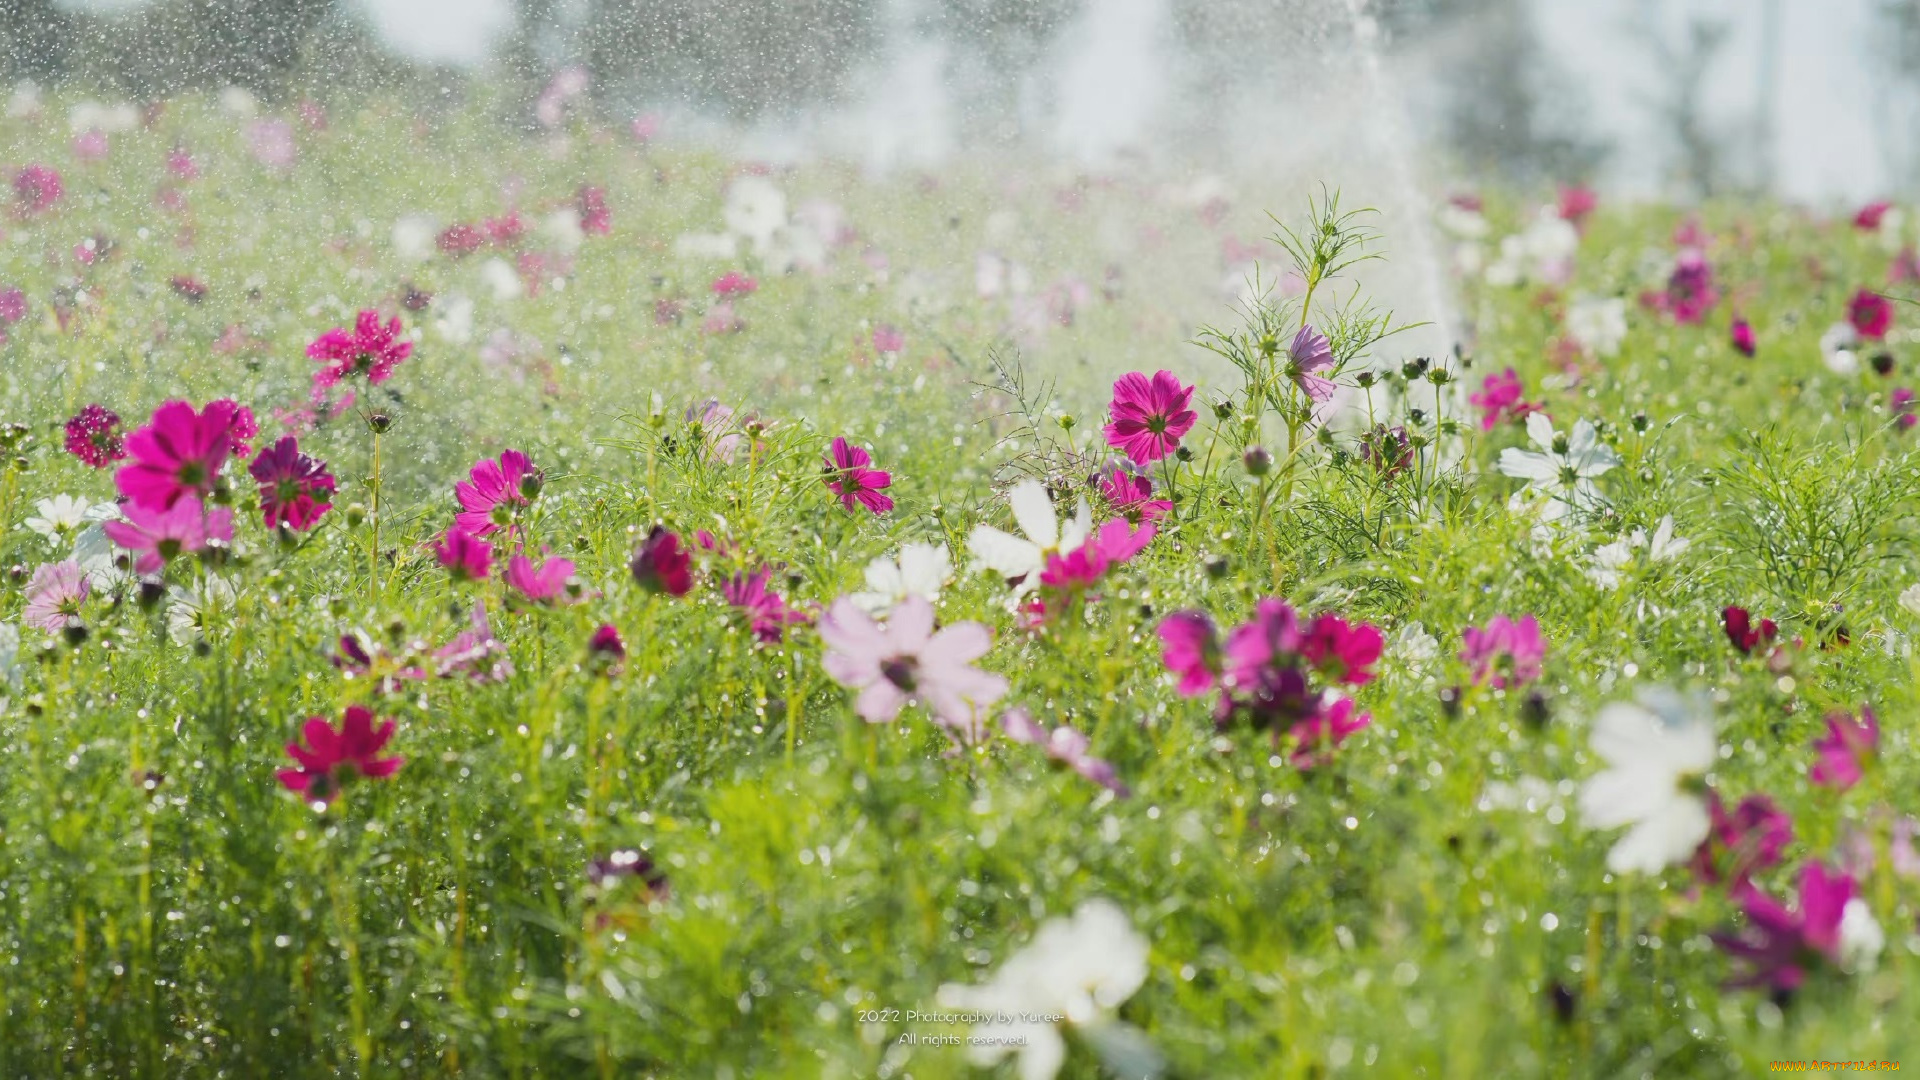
{"x":748,"y":58}
{"x":33,"y":39}
{"x":1703,"y":162}
{"x":995,"y":46}
{"x":1898,"y":45}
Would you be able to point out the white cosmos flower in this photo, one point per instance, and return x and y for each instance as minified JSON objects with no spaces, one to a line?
{"x":1610,"y":559}
{"x":922,"y":570}
{"x":455,"y":321}
{"x":1598,"y":326}
{"x":1564,"y":466}
{"x":63,"y":515}
{"x":499,"y":277}
{"x":193,"y":612}
{"x":1655,"y":750}
{"x":710,"y":247}
{"x":563,"y":228}
{"x":1837,"y":348}
{"x":1080,"y":968}
{"x":1412,"y":649}
{"x":100,"y":557}
{"x":1012,"y":556}
{"x":1910,"y":599}
{"x":1542,"y":254}
{"x":412,"y":237}
{"x":755,"y":209}
{"x":1861,"y":938}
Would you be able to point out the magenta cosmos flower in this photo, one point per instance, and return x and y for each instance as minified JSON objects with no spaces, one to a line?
{"x":591,"y":204}
{"x":160,"y":536}
{"x":1846,"y":750}
{"x":178,"y":454}
{"x":1190,"y":648}
{"x":1780,"y":946}
{"x":54,"y":596}
{"x":295,"y":490}
{"x":36,"y":188}
{"x":1740,"y":844}
{"x":1576,"y":203}
{"x":1870,"y":313}
{"x":1065,"y":745}
{"x":495,"y":491}
{"x":335,"y":756}
{"x":1149,"y":415}
{"x":1501,"y":396}
{"x":848,"y":476}
{"x":94,"y":436}
{"x":1744,"y":633}
{"x":370,"y":348}
{"x":1868,"y":219}
{"x":1109,"y":546}
{"x":734,"y":283}
{"x":1340,"y":651}
{"x":1504,"y":654}
{"x":767,"y":613}
{"x":1131,"y":495}
{"x":466,"y":556}
{"x":1322,"y":731}
{"x":662,"y":564}
{"x":1741,"y":335}
{"x":905,"y":661}
{"x":546,"y":583}
{"x":1309,"y":354}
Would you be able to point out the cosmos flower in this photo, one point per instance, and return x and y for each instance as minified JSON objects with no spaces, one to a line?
{"x":178,"y":454}
{"x":591,"y":205}
{"x":1020,"y":559}
{"x":848,"y":477}
{"x":1691,"y":291}
{"x":1190,"y":648}
{"x":1849,"y":746}
{"x":474,"y":652}
{"x":905,"y":661}
{"x":1869,"y":216}
{"x":661,"y":564}
{"x":921,"y":570}
{"x":1744,"y":633}
{"x":1131,"y":495}
{"x":767,"y":613}
{"x":270,"y":141}
{"x":1079,"y":969}
{"x":295,"y":490}
{"x":1576,"y":203}
{"x":1609,"y":560}
{"x":196,"y":611}
{"x":605,"y":646}
{"x":460,"y":240}
{"x":734,"y":283}
{"x":1741,"y":335}
{"x":1500,"y":396}
{"x":1149,"y":415}
{"x":1740,"y":844}
{"x":54,"y":595}
{"x":888,"y":340}
{"x":1563,"y":468}
{"x":720,"y":431}
{"x":1901,"y":403}
{"x":36,"y":188}
{"x":335,"y":756}
{"x":1065,"y":746}
{"x":1505,"y":654}
{"x":1112,"y":544}
{"x":1340,"y":652}
{"x":1781,"y":946}
{"x":495,"y":491}
{"x":1656,"y":752}
{"x":371,"y":348}
{"x":549,"y":582}
{"x":1323,"y":729}
{"x":627,"y":864}
{"x":1870,"y":314}
{"x":94,"y":436}
{"x":1309,"y":354}
{"x":160,"y":536}
{"x":466,"y":556}
{"x":60,"y":516}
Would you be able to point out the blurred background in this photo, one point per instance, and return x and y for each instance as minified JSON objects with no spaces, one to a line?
{"x":1809,"y":99}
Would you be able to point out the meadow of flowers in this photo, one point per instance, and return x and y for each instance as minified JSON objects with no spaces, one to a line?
{"x":568,"y":605}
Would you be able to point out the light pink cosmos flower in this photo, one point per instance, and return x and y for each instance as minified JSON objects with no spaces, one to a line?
{"x":1066,"y":746}
{"x":295,"y":490}
{"x":549,"y":582}
{"x":54,"y":595}
{"x":848,"y":476}
{"x":370,"y":348}
{"x":495,"y":491}
{"x":768,"y":615}
{"x":466,"y":556}
{"x":1309,"y":354}
{"x":334,"y":756}
{"x":475,"y":652}
{"x":163,"y":535}
{"x":178,"y":454}
{"x":1506,"y":654}
{"x":888,"y":339}
{"x":270,"y":141}
{"x":1846,"y":750}
{"x":904,"y":660}
{"x":1149,"y":415}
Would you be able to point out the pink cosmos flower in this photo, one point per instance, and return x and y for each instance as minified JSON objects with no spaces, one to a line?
{"x":36,"y":188}
{"x":178,"y":454}
{"x":295,"y":490}
{"x":1749,"y":840}
{"x":240,"y":428}
{"x":465,"y":555}
{"x":767,"y":613}
{"x":495,"y":491}
{"x":1272,"y":635}
{"x":1340,"y":652}
{"x":460,"y":240}
{"x":662,"y":565}
{"x":1131,"y":495}
{"x":848,"y":476}
{"x":54,"y":595}
{"x":1901,"y":404}
{"x":1743,"y":633}
{"x":734,"y":283}
{"x":1870,"y":313}
{"x":1905,"y":268}
{"x":183,"y":528}
{"x":504,"y":231}
{"x":888,"y":339}
{"x":1868,"y":219}
{"x":270,"y":141}
{"x":1065,"y":745}
{"x":718,"y":429}
{"x":335,"y":756}
{"x":369,"y":349}
{"x":475,"y":652}
{"x":94,"y":436}
{"x":1315,"y":738}
{"x":91,"y":145}
{"x":1190,"y":648}
{"x":1109,"y":546}
{"x":1311,"y":352}
{"x":1576,"y":203}
{"x":1742,"y":337}
{"x":1149,"y":416}
{"x":181,"y":164}
{"x":1390,"y":449}
{"x":591,"y":204}
{"x":645,"y":127}
{"x":13,"y":305}
{"x":1506,"y":654}
{"x":550,"y":582}
{"x":357,"y":658}
{"x":1846,"y":750}
{"x":905,"y":661}
{"x":722,"y":319}
{"x":1781,"y":945}
{"x":1501,"y":396}
{"x":605,"y":646}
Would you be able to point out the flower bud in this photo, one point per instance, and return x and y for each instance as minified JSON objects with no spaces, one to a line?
{"x":531,"y":483}
{"x":1257,"y":460}
{"x":1223,"y":408}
